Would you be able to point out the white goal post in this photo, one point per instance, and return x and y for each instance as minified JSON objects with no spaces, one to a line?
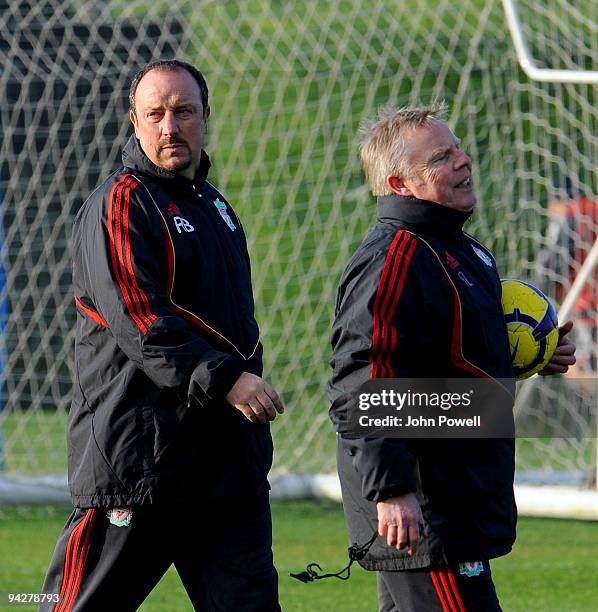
{"x":290,"y":82}
{"x":526,"y":61}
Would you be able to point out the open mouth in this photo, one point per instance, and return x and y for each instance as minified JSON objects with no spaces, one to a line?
{"x":464,"y":183}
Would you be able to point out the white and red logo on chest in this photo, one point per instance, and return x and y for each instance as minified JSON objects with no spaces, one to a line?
{"x":454,"y":264}
{"x":180,"y":223}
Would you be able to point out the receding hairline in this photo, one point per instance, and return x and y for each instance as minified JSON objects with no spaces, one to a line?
{"x":173,"y":70}
{"x":170,"y":65}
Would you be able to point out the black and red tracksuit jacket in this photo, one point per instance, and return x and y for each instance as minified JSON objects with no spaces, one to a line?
{"x":422,"y":299}
{"x":165,"y":327}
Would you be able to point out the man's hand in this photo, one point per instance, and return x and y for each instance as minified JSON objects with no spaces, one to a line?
{"x":255,"y":398}
{"x":564,"y":354}
{"x":400,"y":519}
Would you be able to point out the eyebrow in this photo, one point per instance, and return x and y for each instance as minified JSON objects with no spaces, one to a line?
{"x":178,"y":105}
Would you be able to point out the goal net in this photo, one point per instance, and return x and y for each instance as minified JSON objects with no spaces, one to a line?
{"x":290,"y":83}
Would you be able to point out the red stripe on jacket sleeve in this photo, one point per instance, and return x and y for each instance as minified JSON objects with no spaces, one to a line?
{"x":385,"y":324}
{"x":385,"y":303}
{"x":145,"y":307}
{"x":118,"y":232}
{"x":376,"y":367}
{"x":397,"y":294}
{"x":122,"y":245}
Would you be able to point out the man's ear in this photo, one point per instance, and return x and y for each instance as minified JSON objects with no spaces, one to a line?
{"x":206,"y":116}
{"x":397,"y":184}
{"x":133,"y":118}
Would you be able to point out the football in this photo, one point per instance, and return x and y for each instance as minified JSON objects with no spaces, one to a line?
{"x":532,"y":326}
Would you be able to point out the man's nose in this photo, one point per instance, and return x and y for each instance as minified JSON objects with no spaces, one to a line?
{"x":169,"y":124}
{"x":462,"y":159}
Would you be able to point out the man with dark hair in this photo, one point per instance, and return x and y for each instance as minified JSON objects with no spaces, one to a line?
{"x":168,"y":434}
{"x":422,"y":299}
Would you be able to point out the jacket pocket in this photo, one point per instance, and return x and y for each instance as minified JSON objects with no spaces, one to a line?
{"x":118,"y":446}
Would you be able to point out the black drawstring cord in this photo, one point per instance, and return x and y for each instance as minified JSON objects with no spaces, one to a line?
{"x":356,"y":552}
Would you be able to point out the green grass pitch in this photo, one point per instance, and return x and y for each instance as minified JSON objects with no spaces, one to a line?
{"x":552,"y":568}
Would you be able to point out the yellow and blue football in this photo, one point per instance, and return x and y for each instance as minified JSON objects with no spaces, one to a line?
{"x":532,"y":326}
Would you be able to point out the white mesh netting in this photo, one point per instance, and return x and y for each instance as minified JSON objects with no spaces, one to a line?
{"x":289,"y":84}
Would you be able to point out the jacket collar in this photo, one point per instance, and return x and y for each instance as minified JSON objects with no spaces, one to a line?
{"x":435,"y":218}
{"x":135,"y":158}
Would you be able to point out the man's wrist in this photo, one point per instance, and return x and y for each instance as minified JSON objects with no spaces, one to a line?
{"x":389,"y":493}
{"x":228,"y":381}
{"x":214,"y":384}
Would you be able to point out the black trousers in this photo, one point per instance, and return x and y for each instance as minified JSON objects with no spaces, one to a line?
{"x":444,"y":588}
{"x":221,"y":550}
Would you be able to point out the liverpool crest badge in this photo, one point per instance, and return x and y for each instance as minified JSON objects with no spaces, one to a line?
{"x":221,"y":206}
{"x":471,"y":568}
{"x":483,"y":256}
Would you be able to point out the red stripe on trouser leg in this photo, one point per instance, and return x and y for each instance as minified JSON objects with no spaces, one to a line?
{"x":67,"y":563}
{"x":447,"y":591}
{"x":72,"y":566}
{"x":66,"y":592}
{"x":439,"y":592}
{"x":81,"y":562}
{"x":455,"y":589}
